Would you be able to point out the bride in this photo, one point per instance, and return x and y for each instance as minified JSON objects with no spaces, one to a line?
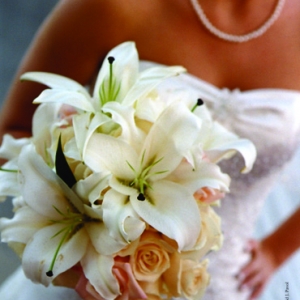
{"x":243,"y":60}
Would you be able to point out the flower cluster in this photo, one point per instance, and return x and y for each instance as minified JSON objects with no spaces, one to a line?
{"x":113,"y":194}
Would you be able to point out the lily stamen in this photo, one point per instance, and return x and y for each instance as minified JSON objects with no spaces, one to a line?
{"x":141,"y":197}
{"x":140,"y":180}
{"x":110,"y":88}
{"x":111,"y":59}
{"x":198,"y":103}
{"x":74,"y":222}
{"x":50,"y":272}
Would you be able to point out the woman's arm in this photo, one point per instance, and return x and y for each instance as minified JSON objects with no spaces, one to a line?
{"x":72,"y":42}
{"x":270,"y":253}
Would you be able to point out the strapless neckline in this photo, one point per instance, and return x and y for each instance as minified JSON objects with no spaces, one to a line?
{"x":244,"y":112}
{"x":209,"y":87}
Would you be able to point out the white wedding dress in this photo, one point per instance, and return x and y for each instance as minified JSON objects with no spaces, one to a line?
{"x":268,"y":117}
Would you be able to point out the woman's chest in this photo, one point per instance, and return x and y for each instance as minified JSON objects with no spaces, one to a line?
{"x":271,"y":61}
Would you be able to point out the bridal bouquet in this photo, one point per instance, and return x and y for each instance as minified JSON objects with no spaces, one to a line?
{"x":114,"y":192}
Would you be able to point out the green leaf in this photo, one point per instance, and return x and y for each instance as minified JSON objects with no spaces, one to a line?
{"x":62,"y":167}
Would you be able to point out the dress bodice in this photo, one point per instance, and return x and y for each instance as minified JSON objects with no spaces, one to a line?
{"x":267,"y":117}
{"x":270,"y":119}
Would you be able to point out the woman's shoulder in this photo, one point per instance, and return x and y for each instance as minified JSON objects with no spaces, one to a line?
{"x":115,"y":11}
{"x":108,"y":10}
{"x":108,"y":22}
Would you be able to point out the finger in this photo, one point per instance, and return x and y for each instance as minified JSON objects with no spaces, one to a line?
{"x":251,"y":246}
{"x":251,"y":281}
{"x":256,"y":292}
{"x":252,"y":267}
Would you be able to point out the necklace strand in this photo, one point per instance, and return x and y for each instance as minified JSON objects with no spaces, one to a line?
{"x":237,"y":38}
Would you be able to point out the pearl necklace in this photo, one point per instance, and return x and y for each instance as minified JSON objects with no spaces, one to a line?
{"x":237,"y":38}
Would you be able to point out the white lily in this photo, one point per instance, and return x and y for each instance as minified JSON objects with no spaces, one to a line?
{"x":215,"y":141}
{"x":46,"y":129}
{"x":218,"y":144}
{"x":202,"y":174}
{"x":118,"y":80}
{"x":142,"y":176}
{"x":58,"y":229}
{"x":9,"y":150}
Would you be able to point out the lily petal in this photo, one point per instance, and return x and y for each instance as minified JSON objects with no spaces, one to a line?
{"x":91,"y":187}
{"x":39,"y":252}
{"x":124,"y":116}
{"x":84,"y":126}
{"x":39,"y":180}
{"x":11,"y":147}
{"x":218,"y":143}
{"x":98,"y":270}
{"x":243,"y":146}
{"x":172,"y":135}
{"x":123,"y":222}
{"x":172,"y":210}
{"x":9,"y":180}
{"x":106,"y":153}
{"x":45,"y":129}
{"x":148,"y":80}
{"x":55,"y":81}
{"x":22,"y":226}
{"x":205,"y":174}
{"x":72,"y":98}
{"x":125,"y":69}
{"x":102,"y":241}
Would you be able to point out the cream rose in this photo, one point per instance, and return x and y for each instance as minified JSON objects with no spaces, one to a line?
{"x":194,"y":279}
{"x":210,"y":237}
{"x":151,"y":258}
{"x":186,"y":278}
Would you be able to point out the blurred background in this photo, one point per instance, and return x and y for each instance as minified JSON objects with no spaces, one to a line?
{"x":19,"y":21}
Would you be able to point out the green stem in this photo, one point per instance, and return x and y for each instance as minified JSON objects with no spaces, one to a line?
{"x":8,"y":170}
{"x":50,"y":272}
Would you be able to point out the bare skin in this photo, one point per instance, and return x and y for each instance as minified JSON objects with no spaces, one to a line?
{"x":78,"y":33}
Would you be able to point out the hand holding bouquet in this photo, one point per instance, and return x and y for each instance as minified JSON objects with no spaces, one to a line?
{"x":113,"y":194}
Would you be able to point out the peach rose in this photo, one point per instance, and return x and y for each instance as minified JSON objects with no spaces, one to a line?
{"x":85,"y":290}
{"x":208,"y":195}
{"x":66,"y":113}
{"x":129,"y":287}
{"x":151,"y":258}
